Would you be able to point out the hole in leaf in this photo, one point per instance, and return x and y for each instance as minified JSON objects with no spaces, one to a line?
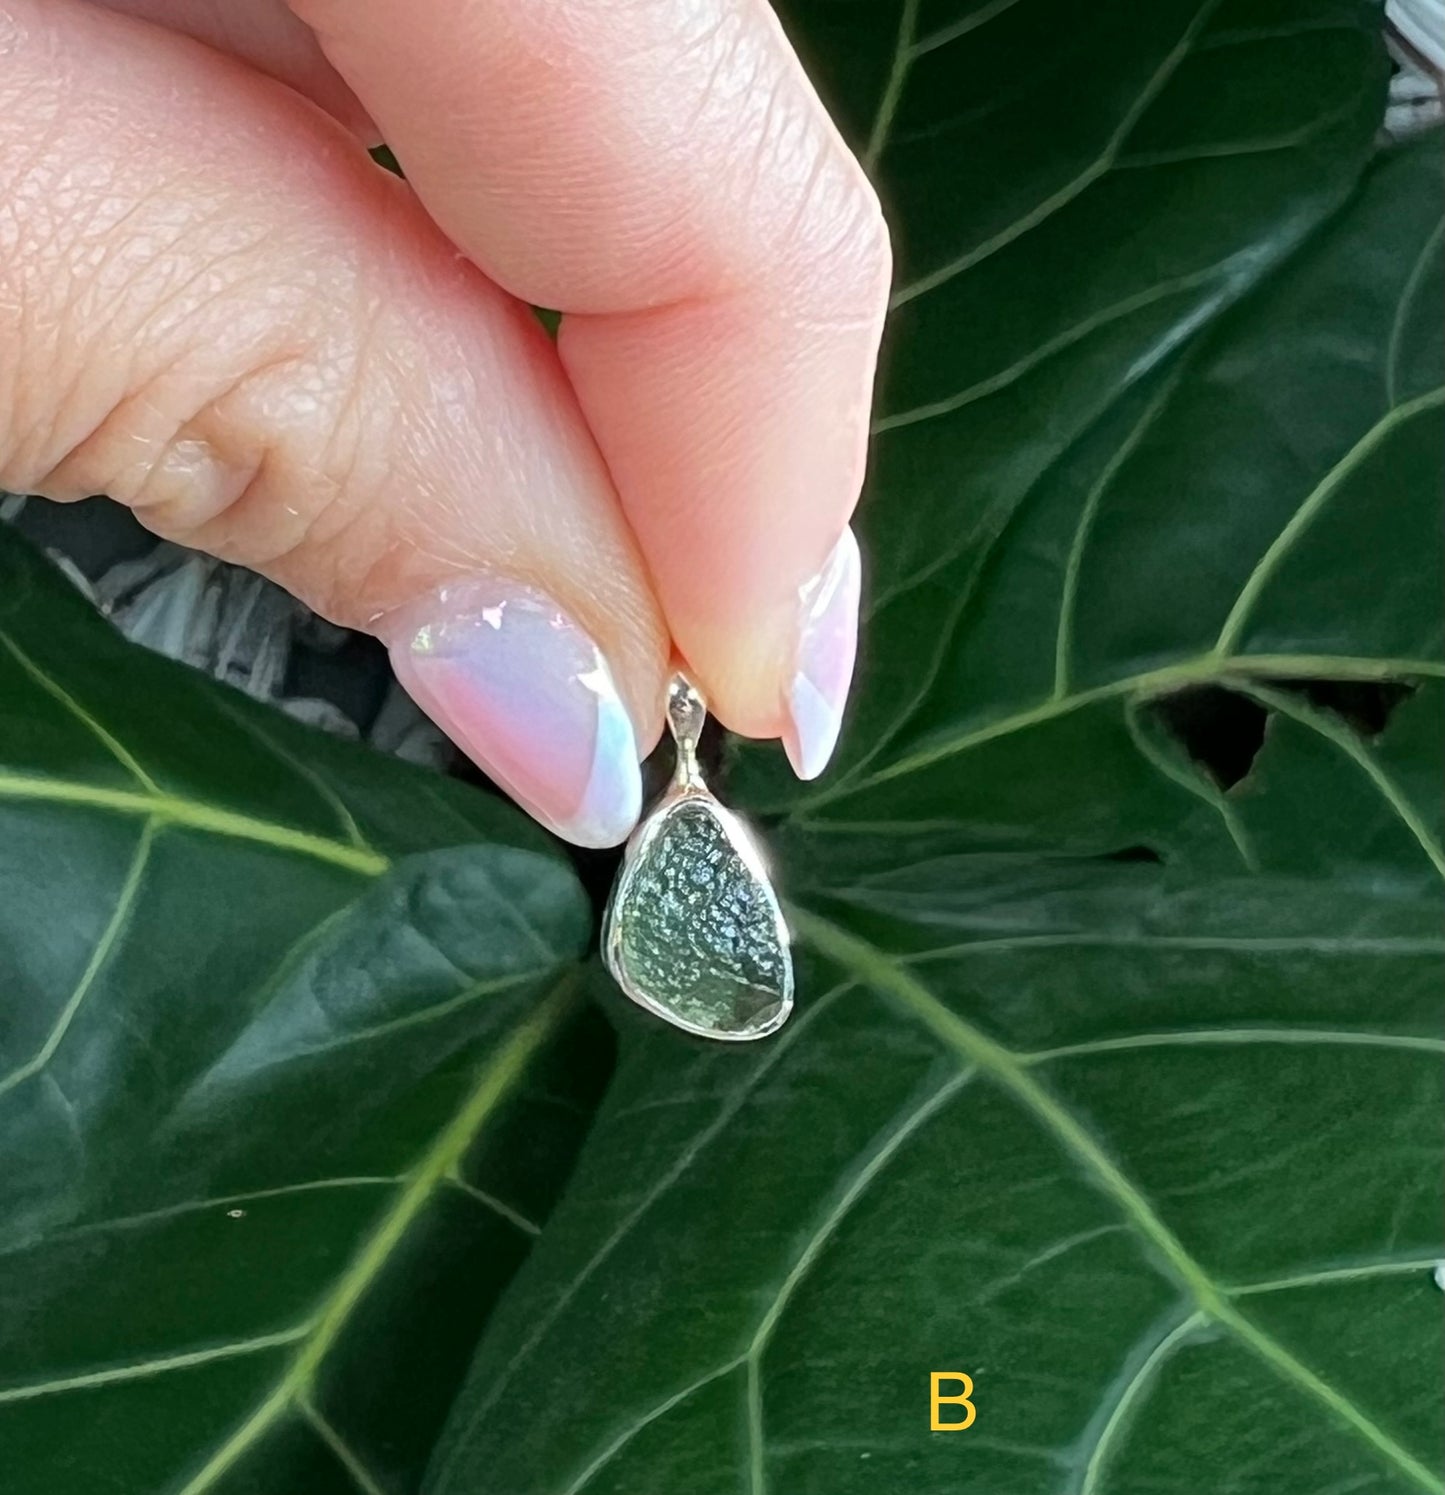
{"x":1364,"y":705}
{"x":1221,"y":730}
{"x":1133,"y":854}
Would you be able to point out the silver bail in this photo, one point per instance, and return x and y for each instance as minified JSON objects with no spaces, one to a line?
{"x":686,"y":716}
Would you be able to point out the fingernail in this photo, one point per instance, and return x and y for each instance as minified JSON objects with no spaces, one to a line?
{"x":523,"y":690}
{"x":823,"y":670}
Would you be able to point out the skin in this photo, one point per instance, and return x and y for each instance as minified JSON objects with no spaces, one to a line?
{"x":215,"y":308}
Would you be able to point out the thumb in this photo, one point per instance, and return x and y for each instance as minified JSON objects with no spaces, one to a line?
{"x":216,"y":309}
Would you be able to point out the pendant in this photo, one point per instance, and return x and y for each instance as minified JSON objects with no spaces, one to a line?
{"x":693,"y":931}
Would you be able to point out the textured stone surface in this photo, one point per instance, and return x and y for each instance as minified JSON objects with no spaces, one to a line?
{"x":697,"y":928}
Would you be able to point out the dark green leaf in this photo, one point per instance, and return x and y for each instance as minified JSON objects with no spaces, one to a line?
{"x":290,"y":1073}
{"x":1115,"y":1078}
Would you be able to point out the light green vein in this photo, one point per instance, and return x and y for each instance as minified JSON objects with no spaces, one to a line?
{"x":619,"y":1441}
{"x":1259,"y":145}
{"x":287,"y":758}
{"x":1140,"y":940}
{"x":200,"y":1206}
{"x":159,"y":1366}
{"x":1008,"y":1070}
{"x":473,"y":992}
{"x":1410,"y":290}
{"x":1060,"y":343}
{"x":971,"y":22}
{"x":1011,"y":1071}
{"x":1193,"y":780}
{"x":1142,"y":1378}
{"x":495,"y":1205}
{"x":877,"y":1157}
{"x":496,"y":1082}
{"x":1201,"y":669}
{"x":1233,"y":1037}
{"x":57,"y":692}
{"x":1069,"y":592}
{"x":124,"y":906}
{"x":1301,"y":1376}
{"x":1164,"y":347}
{"x":1354,"y":748}
{"x":1238,"y":36}
{"x":1096,"y":169}
{"x":893,"y":85}
{"x":880,"y":1154}
{"x":1309,"y":510}
{"x":1361,"y":1272}
{"x":341,"y":1450}
{"x":171,"y":809}
{"x":765,"y":1064}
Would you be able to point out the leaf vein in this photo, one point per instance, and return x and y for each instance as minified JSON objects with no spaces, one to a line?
{"x":495,"y":1083}
{"x":1358,"y":1272}
{"x":1262,"y":145}
{"x":1309,"y":510}
{"x":1194,"y":782}
{"x":171,"y":809}
{"x":1198,"y":670}
{"x":971,"y":22}
{"x":58,"y":693}
{"x":198,"y":1206}
{"x":1061,"y":342}
{"x":341,"y":1450}
{"x":350,"y":829}
{"x":581,"y":1480}
{"x":893,"y":85}
{"x":125,"y":905}
{"x":423,"y":1015}
{"x":1354,"y":749}
{"x":880,"y":1152}
{"x":496,"y":1206}
{"x":1099,"y":167}
{"x":1232,"y":1037}
{"x":1069,"y":592}
{"x":544,"y":1321}
{"x":1008,"y":1070}
{"x":1408,"y":292}
{"x":161,"y":1365}
{"x":1131,"y":1387}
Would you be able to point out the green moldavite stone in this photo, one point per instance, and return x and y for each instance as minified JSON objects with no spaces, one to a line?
{"x":699,"y":931}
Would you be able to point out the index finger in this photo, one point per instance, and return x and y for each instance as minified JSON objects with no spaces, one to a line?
{"x":664,"y":175}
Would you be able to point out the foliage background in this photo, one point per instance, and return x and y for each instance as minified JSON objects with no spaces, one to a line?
{"x":1115,"y":1081}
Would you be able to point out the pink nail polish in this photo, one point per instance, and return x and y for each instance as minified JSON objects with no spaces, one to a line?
{"x":827,"y":643}
{"x":524,"y":691}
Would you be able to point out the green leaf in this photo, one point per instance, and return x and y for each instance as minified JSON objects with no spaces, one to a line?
{"x":290,"y":1073}
{"x":1115,"y":1078}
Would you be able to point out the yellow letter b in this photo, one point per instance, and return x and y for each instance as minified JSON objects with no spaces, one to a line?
{"x":936,"y":1401}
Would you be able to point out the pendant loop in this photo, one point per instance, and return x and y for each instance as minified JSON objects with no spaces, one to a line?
{"x":686,"y":716}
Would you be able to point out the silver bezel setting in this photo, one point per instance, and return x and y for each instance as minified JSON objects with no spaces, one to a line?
{"x":691,"y":790}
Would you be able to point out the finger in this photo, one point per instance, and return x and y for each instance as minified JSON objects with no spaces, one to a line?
{"x":266,"y":34}
{"x":664,"y":175}
{"x":216,"y":308}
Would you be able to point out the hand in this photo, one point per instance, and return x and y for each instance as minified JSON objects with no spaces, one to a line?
{"x":216,"y":308}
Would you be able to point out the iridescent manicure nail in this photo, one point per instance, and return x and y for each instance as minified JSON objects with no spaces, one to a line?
{"x":524,"y":690}
{"x":823,"y":669}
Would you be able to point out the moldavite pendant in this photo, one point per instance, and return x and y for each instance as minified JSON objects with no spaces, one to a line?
{"x":693,"y":931}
